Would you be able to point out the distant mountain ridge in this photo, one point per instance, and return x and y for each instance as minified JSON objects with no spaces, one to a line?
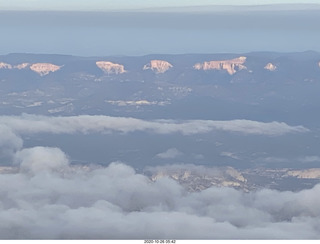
{"x":225,"y":8}
{"x":158,"y":63}
{"x":232,"y":85}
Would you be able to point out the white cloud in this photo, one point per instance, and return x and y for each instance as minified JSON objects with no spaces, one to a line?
{"x":49,"y":199}
{"x":115,"y":202}
{"x":230,"y":155}
{"x":273,"y":160}
{"x":198,"y":156}
{"x":309,"y":159}
{"x":41,"y":159}
{"x":9,"y":142}
{"x":170,"y":154}
{"x":29,"y":124}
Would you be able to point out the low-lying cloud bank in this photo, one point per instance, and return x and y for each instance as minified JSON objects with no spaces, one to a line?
{"x":43,"y":197}
{"x":14,"y":128}
{"x":46,"y":198}
{"x":30,"y":124}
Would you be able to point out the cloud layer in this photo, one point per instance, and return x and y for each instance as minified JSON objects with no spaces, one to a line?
{"x":30,"y":124}
{"x":9,"y":142}
{"x":43,"y":197}
{"x":57,"y":201}
{"x":171,"y":153}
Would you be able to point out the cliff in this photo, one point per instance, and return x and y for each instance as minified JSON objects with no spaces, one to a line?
{"x":231,"y":66}
{"x":44,"y":68}
{"x":5,"y":66}
{"x":22,"y":66}
{"x":305,"y":173}
{"x":40,"y":68}
{"x":270,"y":67}
{"x":110,"y":68}
{"x":158,"y":66}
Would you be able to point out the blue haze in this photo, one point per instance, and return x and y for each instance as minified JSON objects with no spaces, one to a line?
{"x":140,"y":33}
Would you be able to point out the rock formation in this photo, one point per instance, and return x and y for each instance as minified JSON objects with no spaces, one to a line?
{"x":158,"y":66}
{"x":5,"y":66}
{"x":305,"y":173}
{"x":270,"y":67}
{"x":231,"y":66}
{"x":40,"y":68}
{"x":111,"y":68}
{"x":44,"y":68}
{"x":22,"y":66}
{"x":197,"y":179}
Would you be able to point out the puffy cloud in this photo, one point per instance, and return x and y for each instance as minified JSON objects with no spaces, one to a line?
{"x":169,"y":154}
{"x":115,"y":202}
{"x":40,"y":159}
{"x":9,"y":142}
{"x":29,"y":124}
{"x":47,"y":198}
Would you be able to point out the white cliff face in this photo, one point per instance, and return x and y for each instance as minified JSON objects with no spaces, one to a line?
{"x":9,"y":66}
{"x":5,"y":66}
{"x":197,"y":179}
{"x":110,"y":68}
{"x":305,"y":174}
{"x":22,"y":66}
{"x":270,"y":67}
{"x":158,"y":66}
{"x":231,"y":66}
{"x":44,"y":68}
{"x":40,"y":68}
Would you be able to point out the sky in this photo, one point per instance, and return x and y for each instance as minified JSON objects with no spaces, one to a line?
{"x":85,"y":33}
{"x":104,"y":5}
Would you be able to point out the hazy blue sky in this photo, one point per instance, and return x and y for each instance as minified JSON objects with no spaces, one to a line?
{"x":126,"y":4}
{"x":142,"y":32}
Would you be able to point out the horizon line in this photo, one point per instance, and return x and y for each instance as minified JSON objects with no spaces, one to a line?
{"x":171,"y":54}
{"x":171,"y":8}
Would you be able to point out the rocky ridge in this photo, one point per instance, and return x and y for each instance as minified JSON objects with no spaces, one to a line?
{"x":198,"y":179}
{"x":111,"y":68}
{"x":40,"y":68}
{"x":270,"y":67}
{"x":44,"y":68}
{"x":5,"y":66}
{"x":158,"y":66}
{"x":22,"y":66}
{"x":305,"y":174}
{"x":231,"y":66}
